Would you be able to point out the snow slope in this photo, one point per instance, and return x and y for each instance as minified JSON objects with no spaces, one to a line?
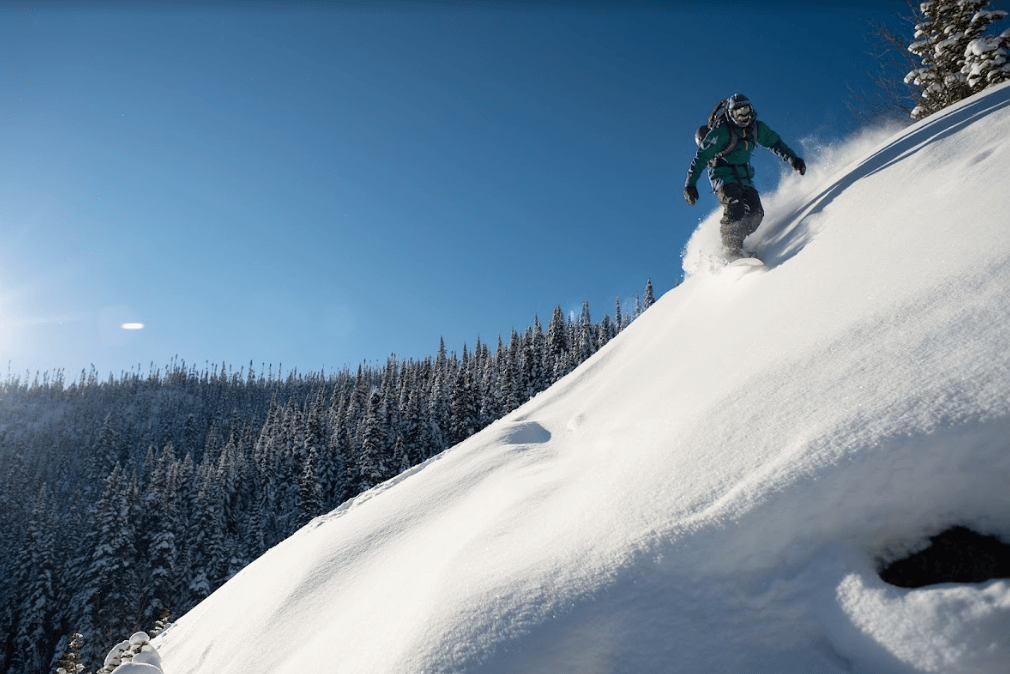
{"x":713,"y":490}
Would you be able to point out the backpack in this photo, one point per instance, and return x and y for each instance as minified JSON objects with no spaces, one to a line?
{"x":716,"y":118}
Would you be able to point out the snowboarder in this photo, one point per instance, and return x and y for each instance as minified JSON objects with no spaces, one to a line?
{"x":725,"y":146}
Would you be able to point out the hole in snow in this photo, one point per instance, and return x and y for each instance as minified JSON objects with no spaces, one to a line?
{"x":525,"y":433}
{"x":957,"y":555}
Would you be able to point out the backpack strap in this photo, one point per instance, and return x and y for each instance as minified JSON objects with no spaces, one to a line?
{"x":734,"y":138}
{"x":717,"y":111}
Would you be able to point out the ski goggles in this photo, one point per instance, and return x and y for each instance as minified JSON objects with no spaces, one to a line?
{"x":744,"y":113}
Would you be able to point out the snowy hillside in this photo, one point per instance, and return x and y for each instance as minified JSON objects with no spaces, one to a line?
{"x":713,"y":491}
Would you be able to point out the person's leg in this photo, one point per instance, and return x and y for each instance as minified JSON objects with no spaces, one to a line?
{"x":753,"y":211}
{"x":735,"y":210}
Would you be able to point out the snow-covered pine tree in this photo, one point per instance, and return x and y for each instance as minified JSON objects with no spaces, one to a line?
{"x":37,"y":628}
{"x":70,"y":661}
{"x":987,"y":58}
{"x":557,"y":357}
{"x":411,"y":424}
{"x":373,"y":448}
{"x":438,"y":405}
{"x":585,"y":343}
{"x":606,"y":332}
{"x":356,"y":408}
{"x":400,"y":460}
{"x":291,"y":463}
{"x":206,"y":540}
{"x":111,"y":582}
{"x":390,"y":387}
{"x":190,"y":441}
{"x":105,"y":454}
{"x":309,"y":502}
{"x":232,"y":474}
{"x":186,"y":483}
{"x":488,"y":409}
{"x":498,"y":382}
{"x":626,"y":319}
{"x":517,"y":388}
{"x":650,"y":298}
{"x":942,"y":40}
{"x":336,"y":476}
{"x":158,"y":536}
{"x":332,"y":472}
{"x":463,"y":411}
{"x":535,"y":359}
{"x":315,"y":433}
{"x":427,"y":444}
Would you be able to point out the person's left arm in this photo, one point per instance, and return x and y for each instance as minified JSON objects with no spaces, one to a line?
{"x":772,"y":141}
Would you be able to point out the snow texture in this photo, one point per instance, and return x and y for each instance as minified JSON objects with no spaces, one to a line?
{"x":715,"y":489}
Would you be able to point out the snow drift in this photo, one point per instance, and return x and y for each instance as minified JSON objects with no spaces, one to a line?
{"x":715,"y":489}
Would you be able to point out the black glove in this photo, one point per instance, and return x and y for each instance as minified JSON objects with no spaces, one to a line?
{"x":691,"y":194}
{"x":798,"y":165}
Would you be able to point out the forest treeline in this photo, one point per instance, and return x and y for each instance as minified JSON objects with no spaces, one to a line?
{"x":129,"y":498}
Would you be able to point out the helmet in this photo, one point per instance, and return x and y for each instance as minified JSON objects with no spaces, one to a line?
{"x":739,"y":110}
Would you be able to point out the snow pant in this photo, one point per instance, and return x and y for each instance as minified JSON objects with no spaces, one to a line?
{"x":741,"y":215}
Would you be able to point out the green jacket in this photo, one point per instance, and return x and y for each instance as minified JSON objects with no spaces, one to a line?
{"x":734,"y":167}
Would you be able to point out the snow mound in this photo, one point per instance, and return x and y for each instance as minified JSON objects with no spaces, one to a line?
{"x":716,"y":489}
{"x":136,"y":655}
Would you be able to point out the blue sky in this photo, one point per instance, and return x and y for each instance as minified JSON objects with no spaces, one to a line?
{"x":314,"y":186}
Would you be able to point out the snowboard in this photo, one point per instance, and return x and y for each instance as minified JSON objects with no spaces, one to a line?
{"x":746,"y":262}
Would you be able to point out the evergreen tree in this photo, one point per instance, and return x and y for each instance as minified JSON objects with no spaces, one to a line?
{"x":943,"y":37}
{"x":315,"y":439}
{"x":207,"y":545}
{"x":334,"y":475}
{"x":557,"y":357}
{"x":70,"y":661}
{"x":987,"y":58}
{"x":607,"y":331}
{"x":187,"y":485}
{"x":411,"y":425}
{"x":426,"y":444}
{"x":17,"y":573}
{"x":626,"y":319}
{"x":438,"y":408}
{"x":400,"y":461}
{"x":650,"y":299}
{"x":104,"y":455}
{"x":38,"y":622}
{"x":516,"y":379}
{"x":111,"y":581}
{"x":356,"y":410}
{"x":373,"y":450}
{"x":535,"y":359}
{"x":585,"y":335}
{"x":464,"y":412}
{"x":159,"y":537}
{"x":310,"y":499}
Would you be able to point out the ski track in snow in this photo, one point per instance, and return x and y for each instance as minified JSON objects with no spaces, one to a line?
{"x":714,"y":489}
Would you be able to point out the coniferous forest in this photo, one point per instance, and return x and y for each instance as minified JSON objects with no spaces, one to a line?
{"x":126,"y":500}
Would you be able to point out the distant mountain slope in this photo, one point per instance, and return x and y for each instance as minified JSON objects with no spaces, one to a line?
{"x":713,"y":490}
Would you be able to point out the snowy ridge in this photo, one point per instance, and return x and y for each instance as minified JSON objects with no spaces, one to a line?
{"x":713,"y":490}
